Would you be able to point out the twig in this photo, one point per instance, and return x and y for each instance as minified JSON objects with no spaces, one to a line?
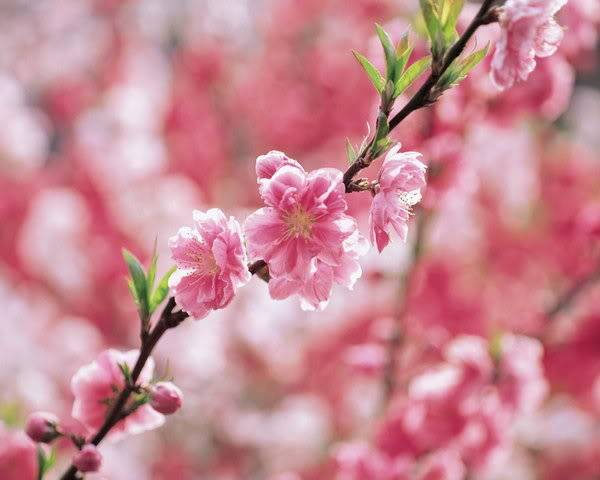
{"x":396,"y":336}
{"x":567,"y":299}
{"x":168,"y":319}
{"x":426,"y":95}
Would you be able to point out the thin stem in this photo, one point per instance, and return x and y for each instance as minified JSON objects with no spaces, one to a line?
{"x":426,"y":94}
{"x":396,"y":336}
{"x":168,"y":319}
{"x":567,"y":299}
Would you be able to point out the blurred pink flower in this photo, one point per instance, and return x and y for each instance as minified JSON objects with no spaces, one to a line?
{"x":18,"y":456}
{"x":360,"y":461}
{"x":528,"y":31}
{"x":303,"y":233}
{"x":522,"y":384}
{"x":211,"y":263}
{"x":401,"y":178}
{"x":442,"y":465}
{"x":95,"y":387}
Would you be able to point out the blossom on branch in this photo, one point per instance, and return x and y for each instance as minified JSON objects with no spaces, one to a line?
{"x":528,"y":31}
{"x":401,"y":178}
{"x":303,"y":232}
{"x":211,"y":263}
{"x":96,"y":386}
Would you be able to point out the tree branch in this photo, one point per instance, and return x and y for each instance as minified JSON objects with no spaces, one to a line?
{"x":168,"y":319}
{"x":426,"y":95}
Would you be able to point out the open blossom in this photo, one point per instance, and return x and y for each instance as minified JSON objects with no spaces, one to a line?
{"x":303,"y":233}
{"x":211,"y":263}
{"x":401,"y":179}
{"x":96,"y":385}
{"x":528,"y":31}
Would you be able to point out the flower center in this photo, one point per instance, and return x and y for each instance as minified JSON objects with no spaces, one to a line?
{"x":299,"y":222}
{"x":205,"y":263}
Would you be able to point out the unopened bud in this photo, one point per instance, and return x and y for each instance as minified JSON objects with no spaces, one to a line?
{"x":166,"y":398}
{"x":41,"y":427}
{"x":88,"y":459}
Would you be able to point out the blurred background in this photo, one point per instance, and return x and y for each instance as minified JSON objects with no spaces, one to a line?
{"x":119,"y":117}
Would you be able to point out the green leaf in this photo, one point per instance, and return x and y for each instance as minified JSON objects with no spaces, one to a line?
{"x":450,"y":11}
{"x":431,"y":14}
{"x":376,"y":78}
{"x":461,"y":68}
{"x":388,"y":50}
{"x":350,"y":152}
{"x":151,"y":275}
{"x":45,"y":462}
{"x":138,"y":282}
{"x":126,"y":371}
{"x":162,"y":289}
{"x":471,"y":61}
{"x":402,"y":61}
{"x":411,"y":74}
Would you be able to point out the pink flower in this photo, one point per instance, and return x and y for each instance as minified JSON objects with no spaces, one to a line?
{"x":303,"y":233}
{"x":401,"y":178}
{"x":41,"y":427}
{"x":528,"y":31}
{"x":166,"y":398}
{"x":88,"y":459}
{"x":521,"y":384}
{"x":95,"y":387}
{"x":360,"y":461}
{"x":442,"y":465}
{"x":18,"y":456}
{"x":211,"y":263}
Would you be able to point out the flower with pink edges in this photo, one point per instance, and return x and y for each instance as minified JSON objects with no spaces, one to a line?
{"x":211,"y":263}
{"x":96,"y":386}
{"x":401,"y":178}
{"x":528,"y":31}
{"x":18,"y":456}
{"x":303,"y":232}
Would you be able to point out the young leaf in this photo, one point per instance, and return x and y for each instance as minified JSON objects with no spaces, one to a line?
{"x":376,"y":79}
{"x":460,"y":69}
{"x":162,"y":289}
{"x":411,"y":74}
{"x":388,"y":50}
{"x":126,"y":371}
{"x":138,"y":281}
{"x":151,"y":275}
{"x":45,"y":462}
{"x":350,"y":152}
{"x":402,"y":61}
{"x":450,"y":11}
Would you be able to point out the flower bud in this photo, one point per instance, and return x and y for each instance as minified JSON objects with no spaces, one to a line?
{"x":41,"y":427}
{"x":166,"y":398}
{"x":88,"y":459}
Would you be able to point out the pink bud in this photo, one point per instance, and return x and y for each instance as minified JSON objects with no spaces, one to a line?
{"x":41,"y":427}
{"x":166,"y":398}
{"x":88,"y":459}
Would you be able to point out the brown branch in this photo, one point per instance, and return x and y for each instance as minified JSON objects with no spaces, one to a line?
{"x":168,"y":319}
{"x":396,"y":336}
{"x":567,"y":299}
{"x":427,"y":94}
